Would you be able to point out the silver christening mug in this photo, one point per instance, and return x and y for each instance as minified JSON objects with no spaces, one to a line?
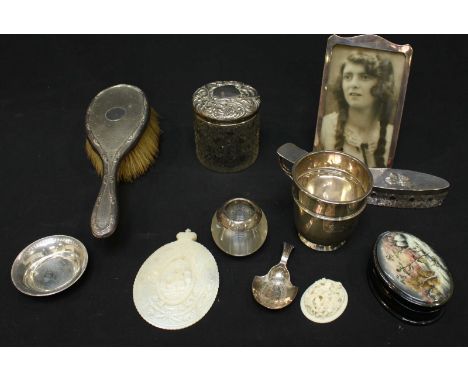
{"x":330,"y":190}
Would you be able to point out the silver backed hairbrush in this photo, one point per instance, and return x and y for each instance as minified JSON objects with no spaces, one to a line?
{"x":407,"y":189}
{"x":115,"y":120}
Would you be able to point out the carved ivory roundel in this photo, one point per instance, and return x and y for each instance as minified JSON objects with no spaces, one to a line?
{"x":177,"y":285}
{"x":324,"y":301}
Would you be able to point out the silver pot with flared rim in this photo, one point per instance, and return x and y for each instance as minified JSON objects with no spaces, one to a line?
{"x":329,"y":191}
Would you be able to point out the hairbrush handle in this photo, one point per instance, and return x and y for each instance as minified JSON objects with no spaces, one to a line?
{"x":105,"y":211}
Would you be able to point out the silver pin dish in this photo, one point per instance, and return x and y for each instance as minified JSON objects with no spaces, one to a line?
{"x":49,"y":265}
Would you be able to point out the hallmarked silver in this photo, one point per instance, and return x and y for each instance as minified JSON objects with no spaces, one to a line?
{"x":407,"y":189}
{"x":49,"y":265}
{"x":391,"y":187}
{"x":226,"y":101}
{"x":275,"y":290}
{"x":329,"y":189}
{"x":115,"y":120}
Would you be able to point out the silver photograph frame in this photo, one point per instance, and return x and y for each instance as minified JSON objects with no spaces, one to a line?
{"x":363,"y":43}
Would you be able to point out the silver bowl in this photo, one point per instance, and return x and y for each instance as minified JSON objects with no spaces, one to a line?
{"x":49,"y":265}
{"x":239,"y":227}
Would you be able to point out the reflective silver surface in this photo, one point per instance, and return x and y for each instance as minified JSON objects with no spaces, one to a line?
{"x":226,"y":101}
{"x":329,"y":191}
{"x":49,"y":265}
{"x":407,"y":189}
{"x":239,"y":227}
{"x":331,"y":185}
{"x":115,"y":120}
{"x":275,"y":290}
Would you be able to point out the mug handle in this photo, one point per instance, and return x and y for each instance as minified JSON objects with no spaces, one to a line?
{"x":288,"y":155}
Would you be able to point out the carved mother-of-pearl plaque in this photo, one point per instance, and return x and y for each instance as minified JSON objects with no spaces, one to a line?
{"x":177,"y":285}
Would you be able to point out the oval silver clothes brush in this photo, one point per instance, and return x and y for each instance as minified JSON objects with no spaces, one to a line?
{"x":407,"y":189}
{"x":115,"y":120}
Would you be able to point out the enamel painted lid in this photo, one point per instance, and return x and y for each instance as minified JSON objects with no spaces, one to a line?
{"x":412,"y":269}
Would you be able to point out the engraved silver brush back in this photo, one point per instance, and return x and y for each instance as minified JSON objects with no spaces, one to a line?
{"x":115,"y":120}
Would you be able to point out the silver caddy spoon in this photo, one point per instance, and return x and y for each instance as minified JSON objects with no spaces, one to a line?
{"x":275,"y":290}
{"x":115,"y":120}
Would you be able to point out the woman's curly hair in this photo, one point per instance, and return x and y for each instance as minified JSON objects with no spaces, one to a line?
{"x":383,"y":91}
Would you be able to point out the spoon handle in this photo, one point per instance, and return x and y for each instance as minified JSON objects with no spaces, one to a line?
{"x":287,"y":249}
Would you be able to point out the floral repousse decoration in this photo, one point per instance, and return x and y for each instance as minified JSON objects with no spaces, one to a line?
{"x":226,"y":101}
{"x":415,"y":268}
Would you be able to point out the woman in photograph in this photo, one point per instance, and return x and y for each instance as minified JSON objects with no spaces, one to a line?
{"x":362,"y":126}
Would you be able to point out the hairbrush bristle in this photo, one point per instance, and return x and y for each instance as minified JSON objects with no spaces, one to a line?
{"x":139,"y":159}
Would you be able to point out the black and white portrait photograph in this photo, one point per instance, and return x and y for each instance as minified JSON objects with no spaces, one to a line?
{"x":361,"y":101}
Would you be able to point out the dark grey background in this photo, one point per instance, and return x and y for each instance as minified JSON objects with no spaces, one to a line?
{"x":49,"y":187}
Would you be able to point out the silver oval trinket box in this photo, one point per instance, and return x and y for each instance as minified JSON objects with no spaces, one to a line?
{"x":409,"y":279}
{"x":227,"y":125}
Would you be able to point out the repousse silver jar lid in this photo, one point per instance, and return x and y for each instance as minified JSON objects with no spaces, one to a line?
{"x":226,"y":101}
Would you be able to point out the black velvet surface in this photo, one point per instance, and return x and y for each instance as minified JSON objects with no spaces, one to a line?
{"x":49,"y":187}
